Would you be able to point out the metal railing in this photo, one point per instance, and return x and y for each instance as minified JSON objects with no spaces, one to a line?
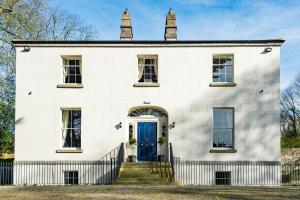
{"x":172,"y":162}
{"x":235,"y":173}
{"x":103,"y":171}
{"x":106,"y":170}
{"x":291,"y":174}
{"x":6,"y":172}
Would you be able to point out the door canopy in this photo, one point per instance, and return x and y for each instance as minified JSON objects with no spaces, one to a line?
{"x":147,"y":110}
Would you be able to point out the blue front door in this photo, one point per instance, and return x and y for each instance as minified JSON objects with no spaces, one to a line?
{"x":147,"y":141}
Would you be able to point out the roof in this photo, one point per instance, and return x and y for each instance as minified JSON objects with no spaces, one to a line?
{"x":269,"y":42}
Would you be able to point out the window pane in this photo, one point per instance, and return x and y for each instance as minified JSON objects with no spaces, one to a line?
{"x":229,"y":61}
{"x":72,"y":62}
{"x":76,"y":118}
{"x":216,"y":78}
{"x":227,"y":138}
{"x":215,"y":60}
{"x":72,"y":70}
{"x":222,"y":68}
{"x":217,"y":137}
{"x":215,"y":69}
{"x":147,"y":61}
{"x":147,"y":69}
{"x":229,"y":73}
{"x":71,"y":79}
{"x":222,"y":78}
{"x":222,"y":60}
{"x":154,"y":78}
{"x":217,"y":115}
{"x":227,"y":118}
{"x":68,"y":139}
{"x":76,"y":138}
{"x":78,"y":78}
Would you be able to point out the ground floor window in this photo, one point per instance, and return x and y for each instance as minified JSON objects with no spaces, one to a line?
{"x":71,"y":128}
{"x":71,"y":177}
{"x":223,"y":127}
{"x":223,"y":178}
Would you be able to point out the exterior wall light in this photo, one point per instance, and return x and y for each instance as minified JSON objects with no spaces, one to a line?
{"x":172,"y":125}
{"x":26,"y":49}
{"x":268,"y":50}
{"x":118,"y":126}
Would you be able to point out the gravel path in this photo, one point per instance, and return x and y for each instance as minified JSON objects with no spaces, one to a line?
{"x":148,"y":192}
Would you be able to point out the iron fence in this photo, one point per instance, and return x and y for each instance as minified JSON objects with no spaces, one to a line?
{"x":106,"y":170}
{"x":237,"y":173}
{"x":103,"y":171}
{"x":291,"y":174}
{"x":6,"y":172}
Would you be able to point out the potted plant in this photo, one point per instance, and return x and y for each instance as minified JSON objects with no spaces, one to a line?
{"x":161,"y":141}
{"x":132,"y":143}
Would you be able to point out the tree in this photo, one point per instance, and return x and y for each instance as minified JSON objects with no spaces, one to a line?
{"x":29,"y":20}
{"x":290,"y":109}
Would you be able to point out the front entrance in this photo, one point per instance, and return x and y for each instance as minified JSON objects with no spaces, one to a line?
{"x":146,"y":135}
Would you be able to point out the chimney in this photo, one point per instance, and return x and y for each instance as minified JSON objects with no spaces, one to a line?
{"x":171,"y":28}
{"x":126,"y":27}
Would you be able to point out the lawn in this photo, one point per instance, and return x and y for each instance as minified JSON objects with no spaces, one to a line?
{"x":148,"y":192}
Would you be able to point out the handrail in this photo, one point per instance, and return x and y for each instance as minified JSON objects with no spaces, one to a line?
{"x":115,"y":158}
{"x":172,"y":161}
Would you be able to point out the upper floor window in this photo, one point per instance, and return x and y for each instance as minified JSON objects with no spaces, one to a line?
{"x":223,"y":68}
{"x":223,"y":127}
{"x":148,"y":68}
{"x":72,"y":69}
{"x":71,"y":128}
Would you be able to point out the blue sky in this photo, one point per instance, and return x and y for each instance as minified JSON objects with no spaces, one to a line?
{"x":200,"y":20}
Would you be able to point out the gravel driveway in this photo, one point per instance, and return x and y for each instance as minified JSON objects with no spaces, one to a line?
{"x":147,"y":192}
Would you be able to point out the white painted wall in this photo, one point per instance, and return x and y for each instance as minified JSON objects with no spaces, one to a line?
{"x":184,"y":76}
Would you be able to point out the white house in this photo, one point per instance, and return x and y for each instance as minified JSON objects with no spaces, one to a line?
{"x":214,"y":100}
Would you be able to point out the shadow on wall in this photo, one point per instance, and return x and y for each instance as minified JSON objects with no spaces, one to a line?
{"x":257,"y":116}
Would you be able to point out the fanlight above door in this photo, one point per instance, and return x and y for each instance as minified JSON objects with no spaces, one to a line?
{"x":151,"y":111}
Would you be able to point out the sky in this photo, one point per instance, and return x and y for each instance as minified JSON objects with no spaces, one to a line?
{"x":200,"y":20}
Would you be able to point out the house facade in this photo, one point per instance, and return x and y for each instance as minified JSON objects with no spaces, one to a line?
{"x":214,"y":101}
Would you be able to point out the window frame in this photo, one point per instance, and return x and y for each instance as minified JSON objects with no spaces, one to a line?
{"x":68,"y":177}
{"x":62,"y":83}
{"x":148,"y":83}
{"x":224,"y":149}
{"x":223,"y":180}
{"x":61,"y":148}
{"x":225,"y":83}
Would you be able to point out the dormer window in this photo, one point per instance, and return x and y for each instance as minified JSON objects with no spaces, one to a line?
{"x":147,"y":70}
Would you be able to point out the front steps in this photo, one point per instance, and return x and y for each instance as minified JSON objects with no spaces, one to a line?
{"x":145,"y":173}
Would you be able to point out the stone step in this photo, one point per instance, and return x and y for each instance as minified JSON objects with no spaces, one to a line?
{"x":144,"y":183}
{"x":144,"y":173}
{"x":147,"y":179}
{"x":145,"y":165}
{"x":138,"y":173}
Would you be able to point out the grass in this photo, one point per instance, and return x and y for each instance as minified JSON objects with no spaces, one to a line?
{"x":149,"y":192}
{"x":290,"y":142}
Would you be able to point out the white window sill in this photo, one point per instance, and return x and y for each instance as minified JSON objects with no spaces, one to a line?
{"x":146,"y":85}
{"x":69,"y":151}
{"x":222,"y":84}
{"x":70,"y":85}
{"x":222,"y":150}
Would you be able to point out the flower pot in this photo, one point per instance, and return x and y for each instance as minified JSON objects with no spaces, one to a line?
{"x":161,"y":158}
{"x":132,"y":158}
